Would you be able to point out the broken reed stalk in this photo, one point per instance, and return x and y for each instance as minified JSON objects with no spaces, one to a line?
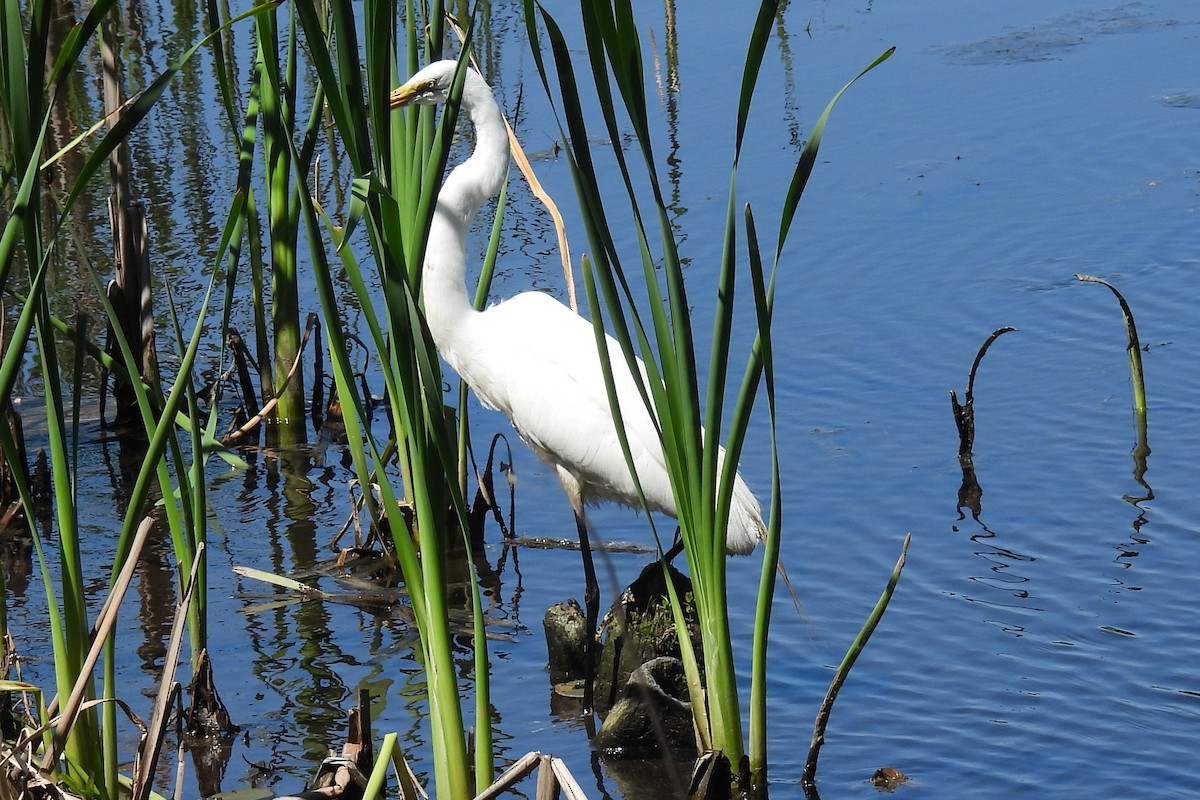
{"x":101,"y":632}
{"x":318,"y":411}
{"x":553,"y":777}
{"x":809,"y":776}
{"x":964,"y":413}
{"x":346,"y":775}
{"x":408,"y":788}
{"x":547,"y":787}
{"x":242,"y":359}
{"x":253,"y":422}
{"x":1132,"y":345}
{"x":130,"y":291}
{"x":485,"y":493}
{"x":169,"y":690}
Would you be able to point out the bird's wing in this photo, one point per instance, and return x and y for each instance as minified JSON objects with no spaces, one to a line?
{"x":539,"y":365}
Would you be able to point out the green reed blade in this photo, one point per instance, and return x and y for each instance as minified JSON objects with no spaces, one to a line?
{"x":1132,"y":344}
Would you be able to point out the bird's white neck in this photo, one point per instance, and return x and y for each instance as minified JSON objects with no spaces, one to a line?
{"x":448,"y":307}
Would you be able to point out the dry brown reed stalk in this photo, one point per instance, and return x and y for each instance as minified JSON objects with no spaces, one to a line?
{"x":130,"y":292}
{"x":553,"y":777}
{"x":169,"y":690}
{"x":234,"y":436}
{"x":535,"y":186}
{"x":105,"y":621}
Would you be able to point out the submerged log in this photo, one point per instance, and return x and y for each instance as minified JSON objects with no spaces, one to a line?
{"x":566,"y":636}
{"x":641,"y":688}
{"x":652,"y":714}
{"x":640,"y":628}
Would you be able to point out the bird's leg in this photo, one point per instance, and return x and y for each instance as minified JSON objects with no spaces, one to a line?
{"x":591,"y":598}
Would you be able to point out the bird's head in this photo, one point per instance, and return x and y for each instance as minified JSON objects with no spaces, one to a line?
{"x":428,"y":87}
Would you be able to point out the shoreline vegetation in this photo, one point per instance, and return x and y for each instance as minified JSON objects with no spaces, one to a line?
{"x":317,"y":103}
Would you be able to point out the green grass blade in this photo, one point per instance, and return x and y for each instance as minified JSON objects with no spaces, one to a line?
{"x":808,"y":157}
{"x":809,"y":775}
{"x":1132,"y":344}
{"x":755,"y":50}
{"x":761,"y":357}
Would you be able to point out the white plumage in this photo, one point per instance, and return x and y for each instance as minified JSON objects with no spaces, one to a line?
{"x":531,"y":356}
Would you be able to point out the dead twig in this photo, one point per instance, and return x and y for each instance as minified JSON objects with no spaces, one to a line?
{"x":256,"y":420}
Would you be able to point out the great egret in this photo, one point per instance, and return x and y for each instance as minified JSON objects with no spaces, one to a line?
{"x":534,"y":358}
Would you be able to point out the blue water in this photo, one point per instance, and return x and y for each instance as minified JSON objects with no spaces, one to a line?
{"x":1044,"y":649}
{"x":1047,"y":648}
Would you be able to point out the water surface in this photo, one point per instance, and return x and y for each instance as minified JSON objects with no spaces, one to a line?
{"x":1045,"y":648}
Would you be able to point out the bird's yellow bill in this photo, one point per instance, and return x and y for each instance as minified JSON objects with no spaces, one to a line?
{"x":403,"y":95}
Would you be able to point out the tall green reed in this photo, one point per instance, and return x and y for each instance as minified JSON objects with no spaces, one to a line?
{"x":27,"y":113}
{"x":80,"y":746}
{"x":397,"y":160}
{"x":276,"y":79}
{"x":395,"y":170}
{"x":660,"y":330}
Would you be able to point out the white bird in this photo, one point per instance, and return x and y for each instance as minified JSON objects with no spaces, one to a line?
{"x":534,"y":358}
